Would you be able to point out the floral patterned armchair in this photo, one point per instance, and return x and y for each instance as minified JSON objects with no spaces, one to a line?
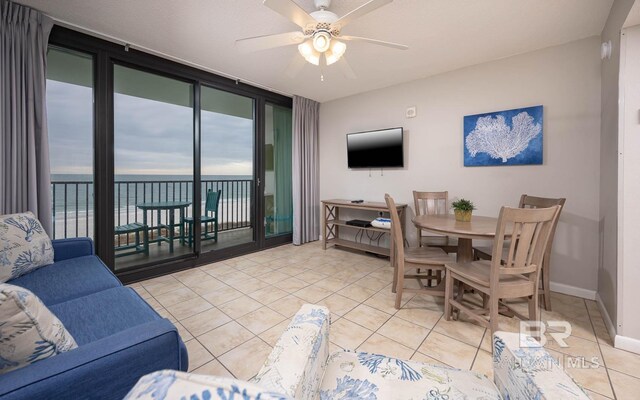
{"x":300,"y":367}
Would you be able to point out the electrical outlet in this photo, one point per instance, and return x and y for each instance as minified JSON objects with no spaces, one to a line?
{"x":380,"y":213}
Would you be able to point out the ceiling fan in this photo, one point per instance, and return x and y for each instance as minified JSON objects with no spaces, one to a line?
{"x":321,"y":34}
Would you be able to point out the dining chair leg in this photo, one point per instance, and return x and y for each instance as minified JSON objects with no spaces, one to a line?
{"x":394,"y":286}
{"x":546,"y":291}
{"x":399,"y":286}
{"x":533,"y":307}
{"x":448,"y":295}
{"x":494,"y":303}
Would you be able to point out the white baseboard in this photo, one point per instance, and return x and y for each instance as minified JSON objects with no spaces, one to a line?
{"x":611,"y":328}
{"x":627,"y":343}
{"x":619,"y":341}
{"x":573,"y":290}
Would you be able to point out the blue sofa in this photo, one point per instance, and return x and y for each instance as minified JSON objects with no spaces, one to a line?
{"x":120,"y":337}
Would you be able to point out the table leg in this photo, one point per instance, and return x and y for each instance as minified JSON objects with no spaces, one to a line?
{"x":465,"y":250}
{"x":146,"y":232}
{"x":159,"y":229}
{"x":171,"y":223}
{"x":181,"y":225}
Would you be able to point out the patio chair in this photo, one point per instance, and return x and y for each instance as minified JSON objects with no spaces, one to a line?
{"x":211,"y":216}
{"x":137,"y":247}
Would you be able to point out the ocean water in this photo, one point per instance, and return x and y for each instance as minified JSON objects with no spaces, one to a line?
{"x":73,"y":195}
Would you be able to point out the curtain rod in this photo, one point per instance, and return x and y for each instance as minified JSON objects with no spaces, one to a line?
{"x":110,"y":38}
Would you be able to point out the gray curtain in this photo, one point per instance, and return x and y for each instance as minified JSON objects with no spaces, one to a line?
{"x":306,"y":190}
{"x":25,"y":183}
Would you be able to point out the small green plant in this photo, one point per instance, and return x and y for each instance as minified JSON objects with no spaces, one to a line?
{"x":463,"y":205}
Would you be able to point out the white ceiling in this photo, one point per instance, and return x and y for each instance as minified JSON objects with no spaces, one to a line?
{"x":634,"y":15}
{"x":442,"y":35}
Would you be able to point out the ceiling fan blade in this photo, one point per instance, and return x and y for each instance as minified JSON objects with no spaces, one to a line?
{"x":269,"y":41}
{"x":360,"y":11}
{"x":295,"y":66}
{"x":375,"y":41}
{"x":346,"y":69}
{"x":291,"y":11}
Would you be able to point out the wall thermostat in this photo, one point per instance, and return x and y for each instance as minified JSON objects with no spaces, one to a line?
{"x":412,"y":112}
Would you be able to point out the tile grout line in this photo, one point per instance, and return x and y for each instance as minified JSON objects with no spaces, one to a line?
{"x":606,"y":369}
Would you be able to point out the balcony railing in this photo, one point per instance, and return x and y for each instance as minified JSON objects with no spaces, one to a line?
{"x":73,"y":203}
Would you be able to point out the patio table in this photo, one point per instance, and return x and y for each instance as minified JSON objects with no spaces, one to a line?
{"x":170,"y":206}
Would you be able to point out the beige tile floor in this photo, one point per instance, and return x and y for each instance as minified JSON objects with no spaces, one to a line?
{"x":231,"y":313}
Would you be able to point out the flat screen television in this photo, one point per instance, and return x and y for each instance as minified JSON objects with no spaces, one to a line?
{"x":375,"y":149}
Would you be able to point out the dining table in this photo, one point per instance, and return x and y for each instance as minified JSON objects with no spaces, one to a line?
{"x":480,"y":228}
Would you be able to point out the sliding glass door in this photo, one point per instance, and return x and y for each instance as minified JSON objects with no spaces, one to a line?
{"x":278,"y":202}
{"x":153,"y":167}
{"x":187,"y":167}
{"x":70,"y":123}
{"x":227,"y":169}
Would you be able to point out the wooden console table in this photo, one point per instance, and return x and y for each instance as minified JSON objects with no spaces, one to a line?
{"x":331,"y":224}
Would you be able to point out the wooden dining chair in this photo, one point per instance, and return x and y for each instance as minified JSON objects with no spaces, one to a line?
{"x":433,"y":203}
{"x":526,"y":201}
{"x":517,"y":277}
{"x":423,"y":261}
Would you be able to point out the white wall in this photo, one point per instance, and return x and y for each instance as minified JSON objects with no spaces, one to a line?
{"x":628,"y":271}
{"x":608,"y":266}
{"x":564,"y":79}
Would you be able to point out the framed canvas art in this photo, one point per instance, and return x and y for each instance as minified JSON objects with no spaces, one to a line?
{"x":510,"y":137}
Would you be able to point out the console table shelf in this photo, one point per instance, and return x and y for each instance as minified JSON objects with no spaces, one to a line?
{"x":332,"y":224}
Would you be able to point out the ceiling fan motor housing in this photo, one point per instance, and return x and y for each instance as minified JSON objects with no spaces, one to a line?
{"x":320,"y":4}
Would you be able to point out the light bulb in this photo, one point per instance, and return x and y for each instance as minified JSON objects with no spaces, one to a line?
{"x":330,"y":57}
{"x":338,"y":48}
{"x":321,"y":41}
{"x":305,"y":48}
{"x":335,"y":52}
{"x":313,"y":58}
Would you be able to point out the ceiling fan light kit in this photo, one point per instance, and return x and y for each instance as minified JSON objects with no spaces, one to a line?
{"x":321,"y":30}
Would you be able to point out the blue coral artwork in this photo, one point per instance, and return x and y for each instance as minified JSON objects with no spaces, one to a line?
{"x":510,"y":137}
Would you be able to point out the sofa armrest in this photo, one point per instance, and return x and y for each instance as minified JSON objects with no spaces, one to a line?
{"x":105,"y":369}
{"x":523,"y":369}
{"x":64,"y":249}
{"x":297,"y":363}
{"x":177,"y":385}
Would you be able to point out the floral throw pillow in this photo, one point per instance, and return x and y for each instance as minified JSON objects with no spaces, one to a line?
{"x":29,"y":332}
{"x":24,"y":245}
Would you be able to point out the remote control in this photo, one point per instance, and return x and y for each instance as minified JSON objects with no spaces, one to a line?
{"x":357,"y":201}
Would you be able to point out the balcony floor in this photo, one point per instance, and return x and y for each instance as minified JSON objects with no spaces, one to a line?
{"x":226,"y":239}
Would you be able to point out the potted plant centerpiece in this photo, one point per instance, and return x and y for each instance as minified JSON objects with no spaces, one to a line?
{"x":462,"y":209}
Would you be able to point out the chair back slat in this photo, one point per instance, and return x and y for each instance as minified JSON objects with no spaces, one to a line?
{"x":396,"y":229}
{"x":527,"y":201}
{"x":211,"y":204}
{"x":529,"y":240}
{"x":431,"y":203}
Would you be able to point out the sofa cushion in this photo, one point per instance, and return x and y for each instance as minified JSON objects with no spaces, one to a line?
{"x":105,"y":313}
{"x":371,"y":376}
{"x":523,"y":369}
{"x":25,"y":245}
{"x":68,"y":279}
{"x":29,"y":332}
{"x":169,"y":384}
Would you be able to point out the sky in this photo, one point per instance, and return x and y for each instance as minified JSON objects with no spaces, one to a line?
{"x":150,"y":137}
